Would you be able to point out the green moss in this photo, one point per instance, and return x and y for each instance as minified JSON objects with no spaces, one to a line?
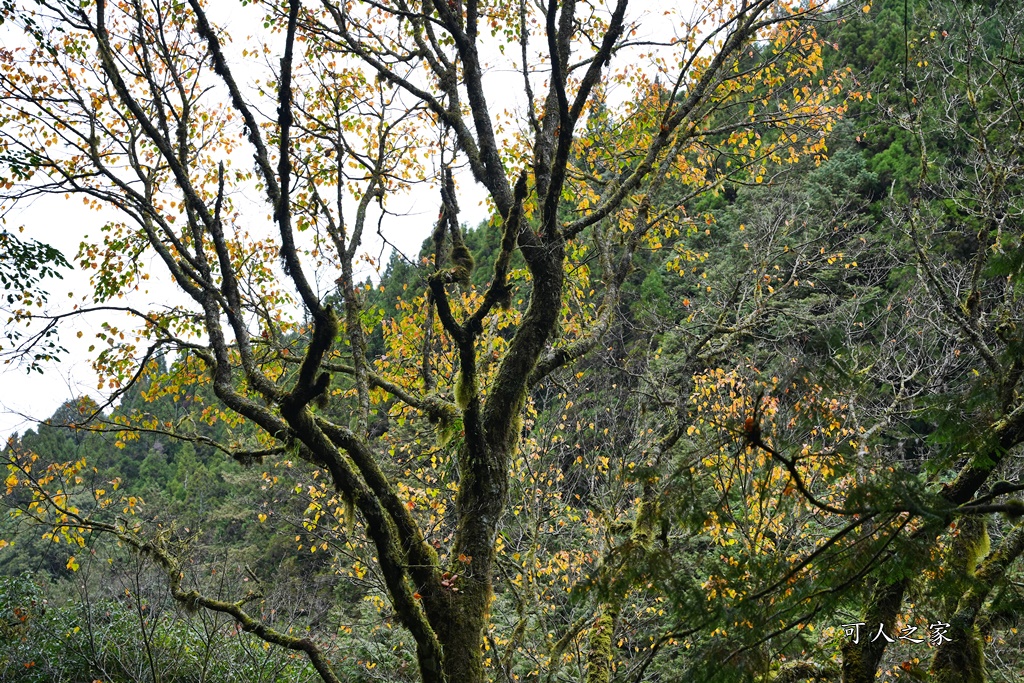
{"x":464,"y":390}
{"x":463,"y":263}
{"x":647,"y":519}
{"x":969,"y":547}
{"x":599,"y":657}
{"x":979,"y":549}
{"x":516,"y":430}
{"x":350,"y":512}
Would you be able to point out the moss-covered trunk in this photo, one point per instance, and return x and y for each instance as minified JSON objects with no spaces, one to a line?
{"x":463,"y":635}
{"x":492,"y":434}
{"x":599,"y":655}
{"x":860,"y":660}
{"x":481,"y":501}
{"x":961,"y":659}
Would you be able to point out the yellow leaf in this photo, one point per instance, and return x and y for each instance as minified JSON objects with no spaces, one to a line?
{"x":72,"y":564}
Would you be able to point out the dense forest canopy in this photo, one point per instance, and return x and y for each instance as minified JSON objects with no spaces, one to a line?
{"x":726,"y":388}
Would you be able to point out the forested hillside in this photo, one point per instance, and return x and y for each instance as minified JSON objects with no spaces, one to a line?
{"x":727,"y":389}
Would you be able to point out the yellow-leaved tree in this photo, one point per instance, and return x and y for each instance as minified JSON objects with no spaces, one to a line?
{"x":591,"y":126}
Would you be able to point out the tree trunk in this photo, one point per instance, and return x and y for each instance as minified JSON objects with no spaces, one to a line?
{"x":599,"y":656}
{"x":961,"y":659}
{"x":860,"y":661}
